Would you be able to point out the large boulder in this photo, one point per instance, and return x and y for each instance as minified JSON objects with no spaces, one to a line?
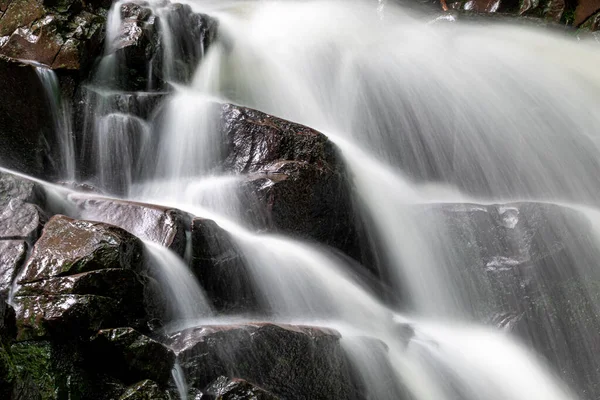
{"x":162,"y":225}
{"x":144,"y":390}
{"x":289,"y":361}
{"x":80,"y":276}
{"x":296,"y":177}
{"x":69,"y":247}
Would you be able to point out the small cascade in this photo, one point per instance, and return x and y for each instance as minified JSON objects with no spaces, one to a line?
{"x":61,"y":115}
{"x":179,"y":378}
{"x":183,"y":293}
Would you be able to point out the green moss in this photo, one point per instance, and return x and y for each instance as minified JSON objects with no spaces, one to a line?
{"x":32,"y":361}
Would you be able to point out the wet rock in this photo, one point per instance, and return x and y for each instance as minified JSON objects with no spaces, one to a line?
{"x":24,"y":127}
{"x":192,"y":34}
{"x":296,"y":176}
{"x":592,"y":24}
{"x":53,"y":371}
{"x":12,"y":257}
{"x":530,"y":268}
{"x":135,"y":46}
{"x":65,"y":316}
{"x":288,"y":361}
{"x":13,"y":187}
{"x":220,"y":268}
{"x":20,"y":220}
{"x":224,"y":388}
{"x":69,"y":247}
{"x":140,"y":45}
{"x":131,"y":356}
{"x":58,"y":37}
{"x":120,"y":284}
{"x":584,"y":10}
{"x":162,"y":225}
{"x":8,"y":329}
{"x":144,"y":390}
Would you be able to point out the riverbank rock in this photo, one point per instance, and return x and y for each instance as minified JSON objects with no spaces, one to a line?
{"x":289,"y":361}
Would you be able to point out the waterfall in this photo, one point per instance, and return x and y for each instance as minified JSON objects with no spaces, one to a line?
{"x":184,"y":295}
{"x":61,"y":116}
{"x":427,"y":117}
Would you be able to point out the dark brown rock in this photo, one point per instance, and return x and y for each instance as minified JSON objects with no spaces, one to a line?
{"x":162,"y":225}
{"x":296,"y":177}
{"x":69,"y":247}
{"x":65,"y":316}
{"x":25,"y":131}
{"x":584,"y":10}
{"x":220,"y":268}
{"x":120,"y":284}
{"x":132,"y":356}
{"x":50,"y":34}
{"x":12,"y":257}
{"x":288,"y":361}
{"x":224,"y":388}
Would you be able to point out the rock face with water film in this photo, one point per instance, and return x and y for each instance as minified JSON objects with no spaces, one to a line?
{"x":162,"y":225}
{"x":531,"y":268}
{"x":289,"y":361}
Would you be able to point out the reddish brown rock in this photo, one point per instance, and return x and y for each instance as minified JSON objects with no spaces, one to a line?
{"x":69,"y":247}
{"x":585,"y":9}
{"x":288,"y":361}
{"x":162,"y":225}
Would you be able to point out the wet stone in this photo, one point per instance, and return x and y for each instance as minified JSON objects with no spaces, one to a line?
{"x":224,"y":388}
{"x":162,"y":225}
{"x":132,"y":356}
{"x":64,"y":316}
{"x":68,"y":246}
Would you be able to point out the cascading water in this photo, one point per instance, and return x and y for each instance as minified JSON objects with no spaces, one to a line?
{"x":424,"y":114}
{"x":61,"y":115}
